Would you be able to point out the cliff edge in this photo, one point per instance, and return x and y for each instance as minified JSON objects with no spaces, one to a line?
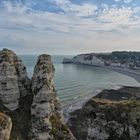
{"x":106,"y":117}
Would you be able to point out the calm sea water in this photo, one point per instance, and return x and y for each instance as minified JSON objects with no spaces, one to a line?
{"x":76,"y":82}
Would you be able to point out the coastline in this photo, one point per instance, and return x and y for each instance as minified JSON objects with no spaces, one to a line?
{"x":112,"y":94}
{"x":108,"y":109}
{"x":129,"y":72}
{"x":135,"y":74}
{"x":111,"y":115}
{"x":78,"y":105}
{"x":68,"y":109}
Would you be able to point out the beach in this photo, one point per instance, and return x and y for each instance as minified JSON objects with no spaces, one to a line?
{"x":126,"y":71}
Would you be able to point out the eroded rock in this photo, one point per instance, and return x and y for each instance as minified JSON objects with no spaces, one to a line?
{"x":39,"y":117}
{"x":14,"y":82}
{"x":5,"y":127}
{"x":103,"y":119}
{"x":46,"y":111}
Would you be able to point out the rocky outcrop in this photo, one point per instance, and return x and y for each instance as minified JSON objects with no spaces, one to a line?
{"x":5,"y":126}
{"x":46,"y":111}
{"x":124,"y":93}
{"x":85,"y":59}
{"x":108,"y":119}
{"x":15,"y":93}
{"x":32,"y":105}
{"x":14,"y":82}
{"x":36,"y":113}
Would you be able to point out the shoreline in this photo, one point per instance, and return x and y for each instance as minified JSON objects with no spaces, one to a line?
{"x":67,"y":110}
{"x":135,"y":74}
{"x":113,"y":94}
{"x":125,"y":71}
{"x":78,"y":105}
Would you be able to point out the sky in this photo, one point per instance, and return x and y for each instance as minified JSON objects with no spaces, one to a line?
{"x":69,"y":26}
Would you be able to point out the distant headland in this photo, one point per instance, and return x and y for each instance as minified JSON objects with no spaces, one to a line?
{"x":124,"y":62}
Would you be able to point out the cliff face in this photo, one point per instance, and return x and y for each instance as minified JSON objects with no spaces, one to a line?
{"x":47,"y":118}
{"x":15,"y":93}
{"x":86,"y":59}
{"x":115,"y":59}
{"x":14,"y":82}
{"x":32,"y":105}
{"x":103,"y":119}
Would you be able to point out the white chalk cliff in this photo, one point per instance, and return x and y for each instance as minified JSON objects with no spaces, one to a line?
{"x":87,"y":59}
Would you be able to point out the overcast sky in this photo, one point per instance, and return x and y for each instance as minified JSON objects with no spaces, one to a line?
{"x":69,"y":26}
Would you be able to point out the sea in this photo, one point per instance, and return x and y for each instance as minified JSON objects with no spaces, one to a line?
{"x":75,"y":83}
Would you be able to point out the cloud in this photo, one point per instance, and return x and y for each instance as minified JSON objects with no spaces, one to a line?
{"x":117,"y":15}
{"x":82,"y":10}
{"x":79,"y":10}
{"x":80,"y":27}
{"x":127,"y":1}
{"x":117,"y":0}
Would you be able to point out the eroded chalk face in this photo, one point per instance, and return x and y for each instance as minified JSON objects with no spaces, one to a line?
{"x":9,"y":91}
{"x":14,"y":82}
{"x":47,"y":119}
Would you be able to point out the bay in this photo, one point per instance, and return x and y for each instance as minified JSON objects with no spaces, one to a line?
{"x":76,"y":82}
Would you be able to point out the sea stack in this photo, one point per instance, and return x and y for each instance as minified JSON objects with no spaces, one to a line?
{"x":14,"y":82}
{"x":47,"y":119}
{"x":32,"y":106}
